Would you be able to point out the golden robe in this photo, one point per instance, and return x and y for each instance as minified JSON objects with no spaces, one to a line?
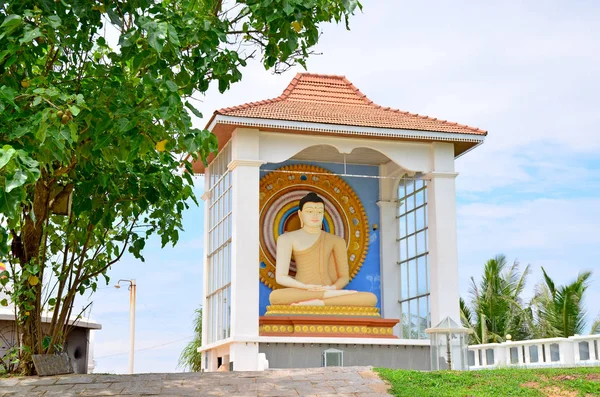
{"x":324,"y":263}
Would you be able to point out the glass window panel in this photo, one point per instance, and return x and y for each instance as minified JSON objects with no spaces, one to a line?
{"x":410,"y":202}
{"x":420,"y":218}
{"x":410,"y":186}
{"x":213,"y":309}
{"x":412,"y":246}
{"x":414,"y":317}
{"x":227,"y":263}
{"x":404,"y":280}
{"x":428,"y":274}
{"x":533,"y":354}
{"x":421,"y":246}
{"x":554,"y":352}
{"x":403,"y":250}
{"x":410,"y":223}
{"x":402,"y":226}
{"x":419,"y":198}
{"x":401,"y":205}
{"x":228,"y":311}
{"x":489,"y":355}
{"x":412,"y":278}
{"x":584,"y":350}
{"x":422,"y":268}
{"x":405,"y":320}
{"x":402,"y":190}
{"x":229,"y":219}
{"x":215,"y":274}
{"x":428,"y":312}
{"x":423,"y":314}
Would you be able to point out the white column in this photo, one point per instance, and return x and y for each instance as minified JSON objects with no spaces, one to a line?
{"x":567,"y":351}
{"x":388,"y":233}
{"x":443,"y":251}
{"x":527,"y":359}
{"x":245,"y":174}
{"x":390,"y":271}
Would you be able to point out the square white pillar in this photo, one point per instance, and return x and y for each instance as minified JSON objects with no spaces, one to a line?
{"x":390,"y":271}
{"x":245,"y":174}
{"x":443,"y":250}
{"x":244,"y":356}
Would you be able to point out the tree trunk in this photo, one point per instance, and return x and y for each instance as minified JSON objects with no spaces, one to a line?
{"x":29,"y":302}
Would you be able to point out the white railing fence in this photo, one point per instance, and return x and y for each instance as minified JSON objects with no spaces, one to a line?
{"x":552,"y":352}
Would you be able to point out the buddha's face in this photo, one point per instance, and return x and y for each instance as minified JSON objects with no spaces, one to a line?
{"x":312,"y":214}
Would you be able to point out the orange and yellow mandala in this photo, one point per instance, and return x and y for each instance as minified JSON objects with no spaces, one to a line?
{"x":280,"y":193}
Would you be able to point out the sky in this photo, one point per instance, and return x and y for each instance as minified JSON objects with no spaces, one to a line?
{"x":526,"y":71}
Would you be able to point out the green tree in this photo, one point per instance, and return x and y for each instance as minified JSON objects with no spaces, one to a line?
{"x":190,"y":359}
{"x":559,"y":310}
{"x":496,"y":308}
{"x":595,"y":329}
{"x":93,"y":131}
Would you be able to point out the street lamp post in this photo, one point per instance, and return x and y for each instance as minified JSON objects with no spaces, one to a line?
{"x":132,"y":290}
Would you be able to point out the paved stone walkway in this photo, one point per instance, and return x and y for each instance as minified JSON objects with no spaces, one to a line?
{"x":321,"y":382}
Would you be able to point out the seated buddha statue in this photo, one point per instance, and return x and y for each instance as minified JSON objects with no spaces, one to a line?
{"x":322,"y":269}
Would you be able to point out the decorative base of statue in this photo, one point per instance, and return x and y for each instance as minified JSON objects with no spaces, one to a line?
{"x":326,"y":321}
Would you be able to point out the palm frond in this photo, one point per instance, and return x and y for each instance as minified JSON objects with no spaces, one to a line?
{"x":595,"y":326}
{"x":189,"y":358}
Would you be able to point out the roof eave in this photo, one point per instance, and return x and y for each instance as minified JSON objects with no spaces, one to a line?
{"x":477,"y":138}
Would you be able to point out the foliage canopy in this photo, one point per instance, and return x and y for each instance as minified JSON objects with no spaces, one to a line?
{"x":93,"y":129}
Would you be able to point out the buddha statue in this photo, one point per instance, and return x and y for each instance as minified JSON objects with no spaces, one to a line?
{"x":321,"y":259}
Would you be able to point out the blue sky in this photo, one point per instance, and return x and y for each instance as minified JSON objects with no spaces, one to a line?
{"x":529,"y":72}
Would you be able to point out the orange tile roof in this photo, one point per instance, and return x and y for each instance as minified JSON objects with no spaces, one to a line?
{"x":333,"y":99}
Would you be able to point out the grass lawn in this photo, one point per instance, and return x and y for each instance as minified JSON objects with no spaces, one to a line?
{"x":552,"y":382}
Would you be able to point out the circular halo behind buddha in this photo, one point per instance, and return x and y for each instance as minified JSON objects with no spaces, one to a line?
{"x":280,"y":193}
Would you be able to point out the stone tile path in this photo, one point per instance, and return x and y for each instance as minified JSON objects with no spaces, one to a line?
{"x":321,"y":382}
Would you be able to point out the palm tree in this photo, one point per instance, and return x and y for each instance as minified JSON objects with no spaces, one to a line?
{"x":190,"y":358}
{"x":496,"y":306}
{"x":595,"y":327}
{"x":559,"y":311}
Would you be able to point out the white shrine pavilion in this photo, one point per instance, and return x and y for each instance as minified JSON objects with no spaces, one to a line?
{"x":388,"y":180}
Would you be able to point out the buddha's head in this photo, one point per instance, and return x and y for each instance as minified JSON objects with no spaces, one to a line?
{"x":312,"y":210}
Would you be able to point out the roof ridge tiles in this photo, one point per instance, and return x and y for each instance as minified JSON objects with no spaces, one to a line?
{"x":330,"y":95}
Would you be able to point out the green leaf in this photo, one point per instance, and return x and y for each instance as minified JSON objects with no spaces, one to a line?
{"x":74,"y":110}
{"x":4,"y":54}
{"x":173,"y":36}
{"x":287,"y":8}
{"x":73,"y":130}
{"x":3,"y":302}
{"x":171,"y":86}
{"x":40,"y":135}
{"x":18,"y":179}
{"x":54,"y":21}
{"x":30,"y":35}
{"x":193,"y":109}
{"x":18,"y":132}
{"x":6,"y":153}
{"x":157,"y":35}
{"x":8,"y":94}
{"x":350,"y":5}
{"x":11,"y":23}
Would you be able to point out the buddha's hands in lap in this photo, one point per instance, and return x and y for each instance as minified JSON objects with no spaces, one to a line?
{"x":315,"y":287}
